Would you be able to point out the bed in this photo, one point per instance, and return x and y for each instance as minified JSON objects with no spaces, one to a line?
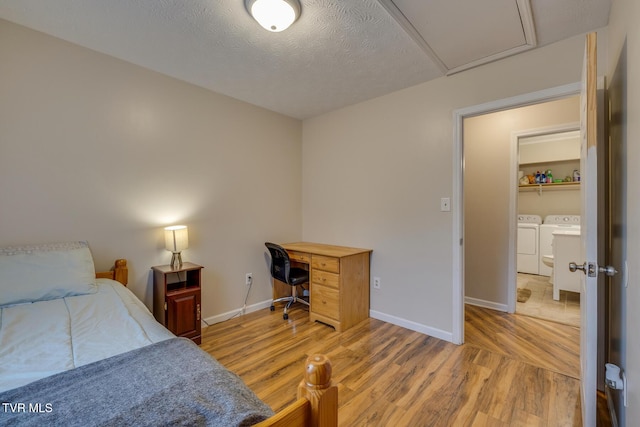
{"x":79,"y":348}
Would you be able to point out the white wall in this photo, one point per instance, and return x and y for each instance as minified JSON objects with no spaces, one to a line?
{"x":552,"y":202}
{"x":374,"y":173}
{"x":624,"y":24}
{"x":97,"y":149}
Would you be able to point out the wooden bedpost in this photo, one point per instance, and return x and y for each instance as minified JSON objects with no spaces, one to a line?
{"x":320,"y":391}
{"x":121,"y":271}
{"x":317,"y":403}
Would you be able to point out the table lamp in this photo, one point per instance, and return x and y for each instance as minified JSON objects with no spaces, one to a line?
{"x":176,"y":239}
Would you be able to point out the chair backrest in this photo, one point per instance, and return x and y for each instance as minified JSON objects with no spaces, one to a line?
{"x":280,"y":263}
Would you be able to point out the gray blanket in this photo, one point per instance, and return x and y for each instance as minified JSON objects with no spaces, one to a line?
{"x":172,"y":382}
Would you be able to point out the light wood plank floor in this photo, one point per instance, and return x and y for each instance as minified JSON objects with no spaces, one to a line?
{"x":520,"y":372}
{"x":545,"y":344}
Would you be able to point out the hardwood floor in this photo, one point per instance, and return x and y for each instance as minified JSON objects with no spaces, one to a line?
{"x":545,"y":344}
{"x":510,"y":372}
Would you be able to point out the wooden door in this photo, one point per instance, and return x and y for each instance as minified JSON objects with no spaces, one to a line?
{"x":589,"y":235}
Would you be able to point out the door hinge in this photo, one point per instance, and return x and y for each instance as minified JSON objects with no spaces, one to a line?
{"x":165,"y":306}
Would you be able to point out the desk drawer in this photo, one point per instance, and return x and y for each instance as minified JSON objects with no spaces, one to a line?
{"x":325,"y":263}
{"x":325,"y":278}
{"x":299,"y":257}
{"x":324,"y":301}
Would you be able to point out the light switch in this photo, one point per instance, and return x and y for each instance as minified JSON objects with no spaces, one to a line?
{"x":445,"y":204}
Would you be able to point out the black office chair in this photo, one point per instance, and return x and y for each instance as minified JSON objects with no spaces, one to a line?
{"x":281,"y":270}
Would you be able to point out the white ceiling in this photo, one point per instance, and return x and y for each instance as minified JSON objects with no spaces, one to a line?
{"x":338,"y":53}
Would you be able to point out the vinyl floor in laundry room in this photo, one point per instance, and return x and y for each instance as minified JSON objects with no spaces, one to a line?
{"x":540,"y":303}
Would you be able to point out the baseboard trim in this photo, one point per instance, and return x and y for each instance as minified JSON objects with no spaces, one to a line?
{"x":237,"y":312}
{"x":414,"y":326}
{"x":398,"y":321}
{"x":486,"y":304}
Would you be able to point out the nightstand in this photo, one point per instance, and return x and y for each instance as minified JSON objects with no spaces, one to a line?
{"x":176,"y":299}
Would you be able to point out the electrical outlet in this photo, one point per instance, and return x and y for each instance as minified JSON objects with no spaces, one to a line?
{"x":248,"y":279}
{"x":376,"y":283}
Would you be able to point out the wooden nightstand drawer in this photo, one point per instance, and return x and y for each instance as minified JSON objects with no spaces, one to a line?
{"x":325,"y":263}
{"x":325,"y":278}
{"x":325,"y":301}
{"x":299,"y":257}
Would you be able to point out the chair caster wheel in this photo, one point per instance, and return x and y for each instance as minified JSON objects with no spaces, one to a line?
{"x":272,"y":308}
{"x":285,"y":316}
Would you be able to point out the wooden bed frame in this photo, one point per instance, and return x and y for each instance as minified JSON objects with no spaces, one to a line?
{"x":119,"y":272}
{"x":317,"y":404}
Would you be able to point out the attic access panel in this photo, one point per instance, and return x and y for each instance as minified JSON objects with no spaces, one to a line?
{"x":462,"y":34}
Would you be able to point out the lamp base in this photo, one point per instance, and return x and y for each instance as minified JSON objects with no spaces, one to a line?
{"x":176,"y":259}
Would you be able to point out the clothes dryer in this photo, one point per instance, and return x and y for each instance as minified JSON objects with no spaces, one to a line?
{"x":528,"y":253}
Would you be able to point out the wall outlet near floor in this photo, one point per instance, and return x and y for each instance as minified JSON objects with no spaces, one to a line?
{"x":248,"y":279}
{"x":376,"y":283}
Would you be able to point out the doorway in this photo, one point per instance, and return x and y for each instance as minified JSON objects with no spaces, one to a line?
{"x":549,"y":194}
{"x":592,"y":129}
{"x":544,"y":137}
{"x":501,"y":144}
{"x":485,"y":257}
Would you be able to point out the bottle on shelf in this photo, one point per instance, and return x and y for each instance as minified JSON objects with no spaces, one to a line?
{"x":549,"y":176}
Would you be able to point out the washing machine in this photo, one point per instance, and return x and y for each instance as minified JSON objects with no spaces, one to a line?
{"x":528,"y":254}
{"x":550,"y":224}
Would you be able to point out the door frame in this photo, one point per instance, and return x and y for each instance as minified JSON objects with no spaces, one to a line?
{"x":459,"y":115}
{"x":512,"y":273}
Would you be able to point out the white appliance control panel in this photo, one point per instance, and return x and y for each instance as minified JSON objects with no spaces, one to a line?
{"x":562,"y":219}
{"x":529,"y":219}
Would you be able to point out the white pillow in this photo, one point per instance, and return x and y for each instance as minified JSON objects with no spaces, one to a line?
{"x":44,"y":272}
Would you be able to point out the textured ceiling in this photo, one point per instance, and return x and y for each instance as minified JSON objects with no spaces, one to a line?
{"x":338,"y":53}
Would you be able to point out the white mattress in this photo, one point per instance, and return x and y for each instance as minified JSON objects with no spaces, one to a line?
{"x":43,"y":338}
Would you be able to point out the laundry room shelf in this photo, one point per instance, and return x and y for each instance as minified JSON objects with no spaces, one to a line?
{"x":550,"y":186}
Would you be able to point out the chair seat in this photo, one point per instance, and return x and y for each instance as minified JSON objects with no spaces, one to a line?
{"x":298,"y":276}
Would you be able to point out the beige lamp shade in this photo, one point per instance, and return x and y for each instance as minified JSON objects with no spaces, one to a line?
{"x":176,"y":239}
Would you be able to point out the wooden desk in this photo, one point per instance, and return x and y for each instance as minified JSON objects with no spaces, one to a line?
{"x":339,"y":282}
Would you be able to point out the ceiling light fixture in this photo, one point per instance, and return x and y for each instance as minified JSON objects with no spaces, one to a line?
{"x":274,"y":15}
